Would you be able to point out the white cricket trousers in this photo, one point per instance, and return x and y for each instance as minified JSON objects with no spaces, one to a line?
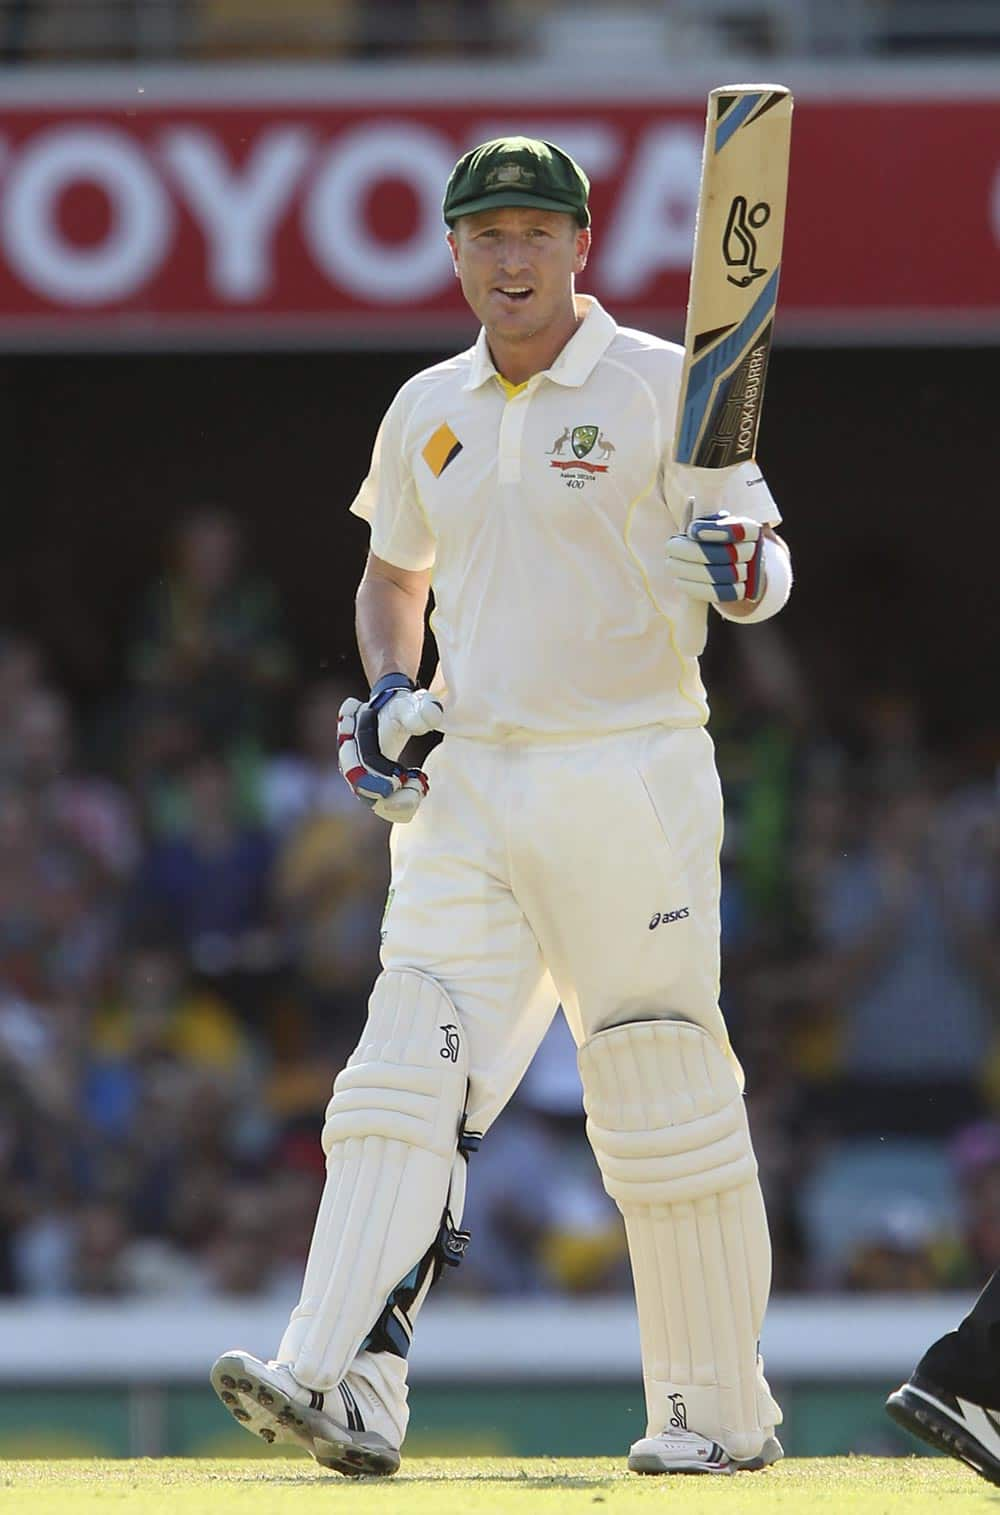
{"x":581,"y":871}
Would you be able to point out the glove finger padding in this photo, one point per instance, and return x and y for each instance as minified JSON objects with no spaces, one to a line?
{"x":392,"y":791}
{"x":722,"y":527}
{"x":406,"y":715}
{"x":402,"y":806}
{"x":718,"y":559}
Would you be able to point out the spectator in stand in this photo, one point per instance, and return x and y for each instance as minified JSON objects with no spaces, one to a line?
{"x":91,"y":813}
{"x":56,"y":915}
{"x":330,"y":886}
{"x":448,"y":28}
{"x":162,"y":740}
{"x":762,"y":722}
{"x":38,"y":1156}
{"x":295,"y":1175}
{"x":976,"y":1154}
{"x":209,"y":636}
{"x":100,"y":1254}
{"x":905,"y":922}
{"x":904,"y":1253}
{"x":241,"y":1257}
{"x":302,"y":785}
{"x":210,"y":884}
{"x":159,"y":1017}
{"x":330,"y":892}
{"x":536,"y":1207}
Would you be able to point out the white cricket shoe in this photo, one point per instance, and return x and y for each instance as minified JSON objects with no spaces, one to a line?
{"x":347,"y":1428}
{"x":687,"y":1452}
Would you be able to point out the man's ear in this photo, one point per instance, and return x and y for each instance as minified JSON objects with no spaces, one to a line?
{"x":582,"y":248}
{"x":453,"y":249}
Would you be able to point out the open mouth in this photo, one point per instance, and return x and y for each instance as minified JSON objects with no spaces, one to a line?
{"x":514,"y":294}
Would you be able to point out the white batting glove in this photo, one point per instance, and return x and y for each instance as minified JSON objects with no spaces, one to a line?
{"x":373,"y":733}
{"x":718,"y":558}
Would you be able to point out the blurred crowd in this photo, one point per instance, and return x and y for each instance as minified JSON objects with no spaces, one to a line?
{"x":190,"y":902}
{"x":572,"y":32}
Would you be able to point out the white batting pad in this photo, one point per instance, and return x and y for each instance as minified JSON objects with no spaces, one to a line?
{"x":666,"y":1120}
{"x":390,"y":1137}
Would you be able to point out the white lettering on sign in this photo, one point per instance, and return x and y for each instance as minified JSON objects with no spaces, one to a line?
{"x":137,"y":239}
{"x":338,"y":235}
{"x":238,"y":209}
{"x":653,"y":229}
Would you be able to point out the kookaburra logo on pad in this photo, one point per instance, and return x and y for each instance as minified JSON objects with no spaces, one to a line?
{"x":451,"y":1044}
{"x":679,"y":1419}
{"x":739,"y":245}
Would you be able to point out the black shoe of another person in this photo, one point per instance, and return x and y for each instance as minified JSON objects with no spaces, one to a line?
{"x":960,"y":1427}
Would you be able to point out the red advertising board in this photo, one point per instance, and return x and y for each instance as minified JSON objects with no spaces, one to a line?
{"x":198,"y":215}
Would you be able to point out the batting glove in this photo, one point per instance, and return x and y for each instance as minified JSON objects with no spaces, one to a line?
{"x":718,"y":558}
{"x":373,"y":734}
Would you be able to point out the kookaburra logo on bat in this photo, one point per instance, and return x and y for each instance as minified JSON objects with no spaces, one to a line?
{"x":739,"y":245}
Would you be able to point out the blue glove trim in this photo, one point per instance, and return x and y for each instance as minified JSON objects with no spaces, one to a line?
{"x":716,"y":552}
{"x":366,"y":737}
{"x":385,"y":687}
{"x":373,"y":788}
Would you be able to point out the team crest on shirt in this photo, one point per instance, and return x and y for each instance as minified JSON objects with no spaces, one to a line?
{"x":581,"y":441}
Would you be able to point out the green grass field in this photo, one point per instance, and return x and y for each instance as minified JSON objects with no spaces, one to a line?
{"x":482,"y":1486}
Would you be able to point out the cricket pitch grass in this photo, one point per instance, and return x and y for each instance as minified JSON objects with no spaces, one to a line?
{"x":484,"y":1485}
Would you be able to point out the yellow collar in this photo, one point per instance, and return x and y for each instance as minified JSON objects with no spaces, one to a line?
{"x":578,"y":359}
{"x":509,"y":389}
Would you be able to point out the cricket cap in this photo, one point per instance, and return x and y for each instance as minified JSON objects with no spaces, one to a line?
{"x":517,"y":171}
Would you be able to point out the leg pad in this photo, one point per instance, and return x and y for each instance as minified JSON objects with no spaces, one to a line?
{"x":391,"y":1141}
{"x":665,"y":1117}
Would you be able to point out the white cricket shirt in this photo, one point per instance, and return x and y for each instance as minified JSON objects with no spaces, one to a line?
{"x":544,"y":519}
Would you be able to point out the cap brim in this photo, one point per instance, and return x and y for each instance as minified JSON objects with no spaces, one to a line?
{"x":516,"y":199}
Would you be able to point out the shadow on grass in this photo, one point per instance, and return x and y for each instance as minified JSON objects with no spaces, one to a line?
{"x":399,"y":1480}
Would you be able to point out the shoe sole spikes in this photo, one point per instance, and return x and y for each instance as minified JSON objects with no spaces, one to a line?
{"x":264,"y":1410}
{"x":922,"y":1418}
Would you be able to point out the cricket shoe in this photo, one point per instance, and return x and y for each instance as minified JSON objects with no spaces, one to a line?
{"x":960,"y":1427}
{"x":687,"y":1452}
{"x":337,"y":1426}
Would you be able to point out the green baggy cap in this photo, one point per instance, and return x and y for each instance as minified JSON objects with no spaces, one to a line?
{"x":517,"y":171}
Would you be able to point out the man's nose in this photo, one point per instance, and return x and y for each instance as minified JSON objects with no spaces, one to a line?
{"x":513,"y":255}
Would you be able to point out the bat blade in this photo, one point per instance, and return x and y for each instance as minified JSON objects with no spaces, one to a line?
{"x":734,"y":273}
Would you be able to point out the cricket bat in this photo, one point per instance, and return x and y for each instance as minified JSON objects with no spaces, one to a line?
{"x":734,"y":273}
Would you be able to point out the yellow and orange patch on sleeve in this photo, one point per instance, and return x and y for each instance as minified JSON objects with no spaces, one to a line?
{"x":442,"y":449}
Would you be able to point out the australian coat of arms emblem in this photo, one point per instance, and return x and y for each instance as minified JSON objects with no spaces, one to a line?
{"x":582,"y":440}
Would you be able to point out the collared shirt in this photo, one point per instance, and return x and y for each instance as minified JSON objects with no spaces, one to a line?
{"x":544,"y":518}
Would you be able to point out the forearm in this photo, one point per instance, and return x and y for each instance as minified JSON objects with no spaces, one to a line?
{"x":390,"y":621}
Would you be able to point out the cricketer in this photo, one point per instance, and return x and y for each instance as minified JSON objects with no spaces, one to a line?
{"x":561,"y":845}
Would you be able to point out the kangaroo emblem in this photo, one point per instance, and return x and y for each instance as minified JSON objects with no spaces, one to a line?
{"x":607,"y":448}
{"x":558,"y":444}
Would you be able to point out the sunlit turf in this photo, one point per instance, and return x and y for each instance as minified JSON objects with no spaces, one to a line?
{"x":475,"y":1486}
